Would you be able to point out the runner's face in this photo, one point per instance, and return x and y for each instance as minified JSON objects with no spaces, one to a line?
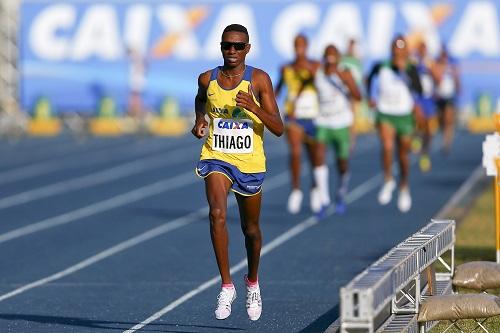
{"x":400,"y":52}
{"x":331,"y":55}
{"x":231,"y":43}
{"x":422,"y":50}
{"x":300,"y":46}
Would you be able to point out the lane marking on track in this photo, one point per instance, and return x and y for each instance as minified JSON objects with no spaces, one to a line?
{"x":102,"y":154}
{"x":97,"y":178}
{"x":477,"y":174}
{"x":273,"y":183}
{"x":354,"y":195}
{"x":351,"y":197}
{"x":140,"y":193}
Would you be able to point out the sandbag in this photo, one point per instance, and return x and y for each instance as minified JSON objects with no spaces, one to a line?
{"x":455,"y":306}
{"x":479,"y":275}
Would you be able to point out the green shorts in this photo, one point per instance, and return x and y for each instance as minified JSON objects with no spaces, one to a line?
{"x":404,"y":125}
{"x":339,"y":138}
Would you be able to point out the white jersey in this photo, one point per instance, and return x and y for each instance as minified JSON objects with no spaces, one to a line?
{"x":394,"y":95}
{"x":334,"y":105}
{"x":446,"y":87}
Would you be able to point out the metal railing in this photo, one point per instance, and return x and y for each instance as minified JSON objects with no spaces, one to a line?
{"x":391,"y":289}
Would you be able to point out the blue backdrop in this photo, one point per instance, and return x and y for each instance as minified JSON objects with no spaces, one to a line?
{"x":75,"y":52}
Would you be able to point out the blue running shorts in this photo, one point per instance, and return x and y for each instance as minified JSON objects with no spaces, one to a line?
{"x":246,"y":184}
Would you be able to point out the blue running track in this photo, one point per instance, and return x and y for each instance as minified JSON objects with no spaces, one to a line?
{"x":111,"y":235}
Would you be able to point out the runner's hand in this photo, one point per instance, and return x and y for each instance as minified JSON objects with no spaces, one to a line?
{"x":199,"y":128}
{"x":245,"y":100}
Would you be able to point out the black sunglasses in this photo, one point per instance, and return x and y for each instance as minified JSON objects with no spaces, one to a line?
{"x":238,"y":46}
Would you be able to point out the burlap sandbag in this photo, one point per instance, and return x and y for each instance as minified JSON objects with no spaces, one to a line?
{"x":479,"y":275}
{"x":453,"y":307}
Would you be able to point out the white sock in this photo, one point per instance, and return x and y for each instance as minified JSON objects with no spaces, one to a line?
{"x":321,"y":179}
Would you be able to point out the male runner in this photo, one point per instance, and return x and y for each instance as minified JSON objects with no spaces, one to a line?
{"x":336,"y":87}
{"x":397,"y":85}
{"x":425,"y":66}
{"x":239,"y":101}
{"x":301,"y":108}
{"x":447,"y":91}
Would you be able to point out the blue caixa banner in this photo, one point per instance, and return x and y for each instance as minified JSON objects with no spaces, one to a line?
{"x":76,"y":52}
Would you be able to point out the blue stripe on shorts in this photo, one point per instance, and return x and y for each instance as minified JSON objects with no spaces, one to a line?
{"x":428,"y":106}
{"x":307,"y":125}
{"x":242,"y":183}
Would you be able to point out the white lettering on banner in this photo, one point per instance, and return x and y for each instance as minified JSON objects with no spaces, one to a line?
{"x":231,"y":136}
{"x":341,"y":23}
{"x":419,"y":18}
{"x":477,"y":31}
{"x":175,"y":22}
{"x":242,"y":14}
{"x":380,"y":28}
{"x":137,"y":27}
{"x":290,"y":21}
{"x":44,"y":38}
{"x":98,"y":34}
{"x":56,"y":34}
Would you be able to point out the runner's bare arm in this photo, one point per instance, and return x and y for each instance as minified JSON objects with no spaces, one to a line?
{"x":268,"y":111}
{"x":200,"y":100}
{"x":281,"y":81}
{"x":346,"y":76}
{"x":456,"y":78}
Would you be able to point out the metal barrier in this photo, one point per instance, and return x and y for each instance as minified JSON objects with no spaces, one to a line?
{"x":386,"y":296}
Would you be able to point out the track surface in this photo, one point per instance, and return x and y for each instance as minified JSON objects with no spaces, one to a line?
{"x":106,"y":234}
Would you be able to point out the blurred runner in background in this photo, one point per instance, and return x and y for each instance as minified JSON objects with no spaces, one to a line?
{"x":336,"y":88}
{"x":425,"y":67}
{"x":351,"y":60}
{"x":448,"y":88}
{"x":301,"y":107}
{"x":392,"y":87}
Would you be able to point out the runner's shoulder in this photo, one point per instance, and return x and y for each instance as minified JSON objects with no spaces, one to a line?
{"x":204,"y":78}
{"x":260,"y":76}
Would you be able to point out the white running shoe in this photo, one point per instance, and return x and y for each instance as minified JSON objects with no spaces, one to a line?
{"x":254,"y":302}
{"x":404,"y":200}
{"x":295,"y":201}
{"x":385,"y":194}
{"x":224,"y":301}
{"x":316,"y":202}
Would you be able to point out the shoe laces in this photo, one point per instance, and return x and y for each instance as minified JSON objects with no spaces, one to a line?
{"x":253,"y":297}
{"x":224,"y":299}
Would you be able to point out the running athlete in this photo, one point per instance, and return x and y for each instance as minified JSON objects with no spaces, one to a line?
{"x":336,"y":87}
{"x":351,"y":60}
{"x":397,"y":83}
{"x":426,"y":103}
{"x":301,"y":108}
{"x":239,"y":101}
{"x":447,"y":90}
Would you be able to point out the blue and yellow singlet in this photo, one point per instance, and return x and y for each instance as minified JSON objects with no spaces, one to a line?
{"x":304,"y":106}
{"x":236,"y":136}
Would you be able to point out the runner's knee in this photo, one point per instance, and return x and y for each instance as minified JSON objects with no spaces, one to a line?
{"x":217,"y":217}
{"x":251,"y":230}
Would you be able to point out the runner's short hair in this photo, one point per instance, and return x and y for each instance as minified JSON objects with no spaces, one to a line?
{"x":237,"y":28}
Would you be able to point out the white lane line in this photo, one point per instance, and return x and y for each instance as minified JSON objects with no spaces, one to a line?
{"x":96,"y":178}
{"x":104,"y":154}
{"x":273,"y":183}
{"x":352,"y":196}
{"x":466,"y":187}
{"x":140,"y":193}
{"x":99,"y":207}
